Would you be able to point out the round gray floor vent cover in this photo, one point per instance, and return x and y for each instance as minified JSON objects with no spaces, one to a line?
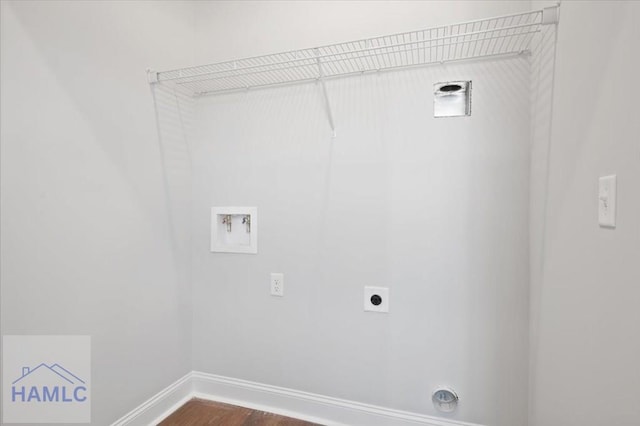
{"x":445,"y":400}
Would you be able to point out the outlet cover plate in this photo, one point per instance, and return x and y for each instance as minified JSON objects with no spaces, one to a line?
{"x":369,"y":298}
{"x":277,"y":284}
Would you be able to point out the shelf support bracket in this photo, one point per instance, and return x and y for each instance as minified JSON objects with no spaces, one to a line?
{"x":551,"y":15}
{"x":327,"y":104}
{"x":152,"y":76}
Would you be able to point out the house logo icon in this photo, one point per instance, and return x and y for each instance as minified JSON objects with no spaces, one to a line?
{"x":48,"y":384}
{"x":46,"y":379}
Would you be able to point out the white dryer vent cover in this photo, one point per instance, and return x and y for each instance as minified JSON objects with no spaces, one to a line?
{"x":452,"y":99}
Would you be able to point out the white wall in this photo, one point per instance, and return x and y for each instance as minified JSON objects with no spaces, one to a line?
{"x":93,"y":242}
{"x":586,"y":346}
{"x":236,"y":29}
{"x":435,"y":209}
{"x":86,"y":245}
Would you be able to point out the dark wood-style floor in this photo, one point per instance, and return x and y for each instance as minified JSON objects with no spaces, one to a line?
{"x":199,"y":412}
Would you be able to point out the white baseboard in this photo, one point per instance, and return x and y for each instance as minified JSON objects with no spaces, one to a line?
{"x":312,"y":407}
{"x":159,"y":406}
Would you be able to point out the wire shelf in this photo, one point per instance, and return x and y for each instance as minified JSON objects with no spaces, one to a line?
{"x":504,"y":35}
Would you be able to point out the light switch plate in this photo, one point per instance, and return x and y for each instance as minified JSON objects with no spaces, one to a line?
{"x":607,"y":201}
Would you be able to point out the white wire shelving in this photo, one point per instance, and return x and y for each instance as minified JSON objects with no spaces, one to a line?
{"x":491,"y":37}
{"x":499,"y":36}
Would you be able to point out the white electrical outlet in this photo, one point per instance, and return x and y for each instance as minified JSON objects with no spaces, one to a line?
{"x":376,"y":299}
{"x":607,"y":201}
{"x":277,"y":284}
